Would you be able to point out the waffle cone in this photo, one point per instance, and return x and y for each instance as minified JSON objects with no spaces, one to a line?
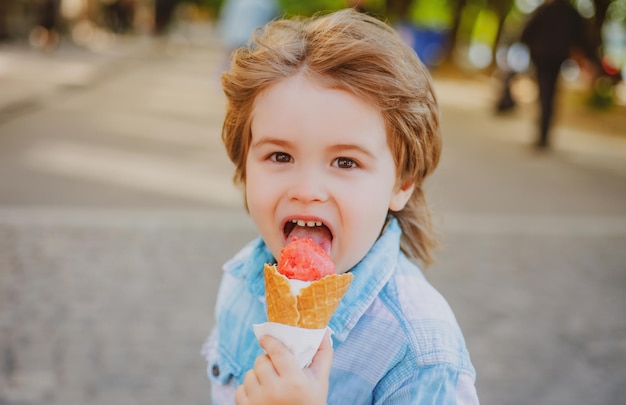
{"x":282,"y":305}
{"x":312,"y":308}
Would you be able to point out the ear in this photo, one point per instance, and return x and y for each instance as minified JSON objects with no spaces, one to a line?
{"x":400,"y":195}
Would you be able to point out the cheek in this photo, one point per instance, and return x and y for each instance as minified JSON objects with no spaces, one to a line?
{"x":254,"y":194}
{"x":253,"y":179}
{"x":363,"y":222}
{"x":261,"y":194}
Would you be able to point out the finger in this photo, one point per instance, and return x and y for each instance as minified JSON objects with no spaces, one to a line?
{"x":240,"y":396}
{"x":264,"y":369}
{"x":282,"y":359}
{"x":250,"y":383}
{"x":323,"y":359}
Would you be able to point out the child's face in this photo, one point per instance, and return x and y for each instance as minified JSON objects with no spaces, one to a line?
{"x":321,"y":156}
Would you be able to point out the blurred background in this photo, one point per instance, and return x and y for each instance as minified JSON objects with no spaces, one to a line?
{"x":117,"y":209}
{"x":475,"y":36}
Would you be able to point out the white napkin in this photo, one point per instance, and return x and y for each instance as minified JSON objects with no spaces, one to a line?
{"x":302,"y":342}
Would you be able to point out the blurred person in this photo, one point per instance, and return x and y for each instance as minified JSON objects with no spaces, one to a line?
{"x":512,"y":58}
{"x":333,"y":126}
{"x":553,"y":33}
{"x":239,"y":18}
{"x":163,"y":13}
{"x":45,"y":36}
{"x":237,"y":21}
{"x":506,"y":102}
{"x":119,"y":15}
{"x":4,"y":27}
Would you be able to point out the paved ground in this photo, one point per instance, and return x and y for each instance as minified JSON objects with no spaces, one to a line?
{"x":116,"y":212}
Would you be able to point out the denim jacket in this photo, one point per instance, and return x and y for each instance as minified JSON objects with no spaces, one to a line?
{"x":395,"y":338}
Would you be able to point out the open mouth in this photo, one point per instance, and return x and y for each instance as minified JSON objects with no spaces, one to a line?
{"x":313,"y":229}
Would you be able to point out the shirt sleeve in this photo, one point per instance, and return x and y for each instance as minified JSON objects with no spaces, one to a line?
{"x":437,"y":384}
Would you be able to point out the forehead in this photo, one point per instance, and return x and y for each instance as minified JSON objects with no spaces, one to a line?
{"x":300,"y":105}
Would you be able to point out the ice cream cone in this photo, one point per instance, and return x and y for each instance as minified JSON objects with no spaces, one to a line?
{"x":312,"y":308}
{"x":282,"y":305}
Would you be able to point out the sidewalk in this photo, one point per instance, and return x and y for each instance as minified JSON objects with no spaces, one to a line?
{"x":29,"y":77}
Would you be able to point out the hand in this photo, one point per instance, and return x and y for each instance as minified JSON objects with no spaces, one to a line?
{"x":278,"y":379}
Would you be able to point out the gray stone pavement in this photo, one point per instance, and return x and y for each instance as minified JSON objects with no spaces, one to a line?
{"x":116,"y":213}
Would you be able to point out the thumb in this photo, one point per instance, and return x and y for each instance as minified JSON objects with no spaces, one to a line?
{"x":323,"y":359}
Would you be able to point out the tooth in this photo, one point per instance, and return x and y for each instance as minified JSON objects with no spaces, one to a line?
{"x":294,"y":221}
{"x":318,"y":224}
{"x":301,"y":223}
{"x":310,"y":224}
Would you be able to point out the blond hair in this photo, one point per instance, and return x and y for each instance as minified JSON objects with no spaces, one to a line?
{"x":365,"y":56}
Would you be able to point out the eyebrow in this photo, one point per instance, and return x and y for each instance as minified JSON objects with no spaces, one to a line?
{"x":350,"y":148}
{"x":271,"y":141}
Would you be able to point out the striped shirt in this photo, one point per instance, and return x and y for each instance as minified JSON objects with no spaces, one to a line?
{"x":395,"y":338}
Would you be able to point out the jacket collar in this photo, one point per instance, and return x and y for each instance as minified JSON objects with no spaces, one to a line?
{"x":371,"y":274}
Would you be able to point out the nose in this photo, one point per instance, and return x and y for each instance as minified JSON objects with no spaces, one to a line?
{"x":308,"y":186}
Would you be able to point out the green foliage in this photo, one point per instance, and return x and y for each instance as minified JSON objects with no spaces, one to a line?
{"x":310,"y":7}
{"x":435,"y":14}
{"x":485,"y":27}
{"x":468,"y":18}
{"x":376,"y":6}
{"x":602,"y":94}
{"x":617,"y":11}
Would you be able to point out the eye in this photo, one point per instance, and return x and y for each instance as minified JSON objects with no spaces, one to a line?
{"x":345,"y":163}
{"x":280,"y":157}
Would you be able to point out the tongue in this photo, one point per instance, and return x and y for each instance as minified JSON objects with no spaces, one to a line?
{"x":319,"y":234}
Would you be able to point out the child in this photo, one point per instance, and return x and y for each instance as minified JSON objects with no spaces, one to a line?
{"x":333,"y":126}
